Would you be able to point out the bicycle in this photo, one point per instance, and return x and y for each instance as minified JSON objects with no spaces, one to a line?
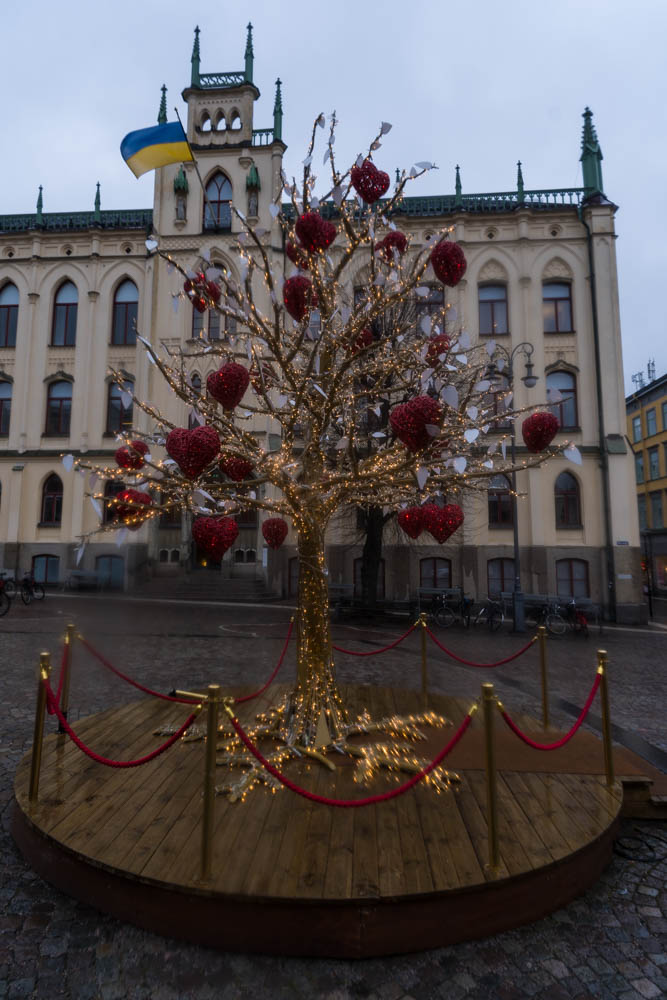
{"x":448,"y":609}
{"x":5,"y":599}
{"x":576,"y":618}
{"x":8,"y":585}
{"x":490,"y":614}
{"x":31,"y":590}
{"x":549,"y":616}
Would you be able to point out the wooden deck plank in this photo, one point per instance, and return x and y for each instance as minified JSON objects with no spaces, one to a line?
{"x":474,"y":821}
{"x":538,"y":812}
{"x":310,"y":882}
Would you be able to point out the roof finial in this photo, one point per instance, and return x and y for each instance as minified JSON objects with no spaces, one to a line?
{"x":458,"y":200}
{"x":278,"y":112}
{"x":591,"y":156}
{"x":40,"y":217}
{"x":249,"y":55}
{"x":194,"y":80}
{"x":98,"y":203}
{"x":162,"y":113}
{"x":519,"y":183}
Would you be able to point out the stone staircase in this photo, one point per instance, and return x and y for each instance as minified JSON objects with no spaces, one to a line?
{"x":203,"y":586}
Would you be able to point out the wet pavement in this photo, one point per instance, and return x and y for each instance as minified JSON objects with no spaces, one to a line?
{"x":610,"y":943}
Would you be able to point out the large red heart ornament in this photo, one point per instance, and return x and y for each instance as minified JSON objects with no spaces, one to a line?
{"x":129,"y":508}
{"x":275,"y":531}
{"x":131,"y":456}
{"x":538,"y":430}
{"x":228,"y":384}
{"x":408,"y":421}
{"x":437,"y":345}
{"x":297,"y":256}
{"x":193,"y":450}
{"x":299,"y":297}
{"x":369,"y":182}
{"x":236,"y":468}
{"x":395,"y":240}
{"x":442,"y":522}
{"x":411,"y":520}
{"x":314,"y":232}
{"x":214,"y":535}
{"x":449,"y":262}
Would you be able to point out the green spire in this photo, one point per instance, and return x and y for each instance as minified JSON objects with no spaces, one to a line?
{"x":519,"y":183}
{"x":398,"y":175}
{"x":458,"y":200}
{"x":278,"y":113}
{"x":252,"y":180}
{"x":249,"y":55}
{"x":162,"y":113}
{"x":181,"y":182}
{"x":98,"y":203}
{"x":40,"y":204}
{"x":194,"y":80}
{"x":591,"y":156}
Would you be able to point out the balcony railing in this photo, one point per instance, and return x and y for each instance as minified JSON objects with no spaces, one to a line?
{"x":213,"y":81}
{"x":140,"y":218}
{"x":262,"y":136}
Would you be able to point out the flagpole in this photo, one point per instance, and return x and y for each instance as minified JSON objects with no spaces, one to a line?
{"x":208,"y":203}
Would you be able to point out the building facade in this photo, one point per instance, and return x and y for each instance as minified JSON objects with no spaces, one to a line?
{"x":74,"y":288}
{"x":647,"y":431}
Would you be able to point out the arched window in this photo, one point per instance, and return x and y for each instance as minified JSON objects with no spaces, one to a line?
{"x":217,"y":206}
{"x":236,"y":120}
{"x":435,"y":574}
{"x":111,"y":489}
{"x":557,"y":307}
{"x":492,"y":310}
{"x":501,"y":511}
{"x":210,"y":323}
{"x":163,"y":555}
{"x":63,"y":333}
{"x":499,"y":576}
{"x":246,"y":518}
{"x":239,"y":555}
{"x":221,"y":124}
{"x":568,"y":505}
{"x":58,"y":408}
{"x":206,"y":125}
{"x":5,"y":407}
{"x":46,"y":569}
{"x":195,"y":382}
{"x":52,"y":500}
{"x":119,"y":409}
{"x":250,"y":555}
{"x":566,"y":408}
{"x":572,"y":578}
{"x":9,"y":315}
{"x":358,"y":587}
{"x":124,"y":320}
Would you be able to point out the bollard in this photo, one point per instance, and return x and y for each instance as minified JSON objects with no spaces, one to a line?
{"x":38,"y":734}
{"x":64,"y":696}
{"x":422,"y":620}
{"x":542,"y":638}
{"x":208,"y":813}
{"x":606,"y":720}
{"x":488,"y":706}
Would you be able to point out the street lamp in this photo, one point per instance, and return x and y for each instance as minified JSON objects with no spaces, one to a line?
{"x":529,"y":380}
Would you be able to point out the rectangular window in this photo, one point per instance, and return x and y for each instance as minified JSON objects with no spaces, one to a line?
{"x":654,"y":463}
{"x":664,"y":416}
{"x":636,"y":429}
{"x":641,"y":507}
{"x":9,"y":316}
{"x":492,"y":310}
{"x":46,"y":569}
{"x":656,"y":510}
{"x":557,"y":307}
{"x":639,"y":468}
{"x":651,"y":422}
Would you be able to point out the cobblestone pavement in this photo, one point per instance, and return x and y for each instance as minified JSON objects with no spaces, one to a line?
{"x":610,"y":943}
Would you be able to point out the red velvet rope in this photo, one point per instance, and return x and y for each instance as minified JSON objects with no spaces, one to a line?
{"x":249,"y":697}
{"x":564,"y":739}
{"x":136,"y":684}
{"x":470,"y":663}
{"x":352,"y":803}
{"x":64,"y":665}
{"x":374,"y":652}
{"x":51,"y":700}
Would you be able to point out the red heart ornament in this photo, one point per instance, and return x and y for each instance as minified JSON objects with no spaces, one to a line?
{"x":129,"y":508}
{"x":449,"y":262}
{"x":193,"y":450}
{"x":214,"y":535}
{"x":539,"y":429}
{"x":297,"y":256}
{"x":442,"y":522}
{"x":408,"y":421}
{"x":268,"y":376}
{"x":228,"y":384}
{"x":395,"y":240}
{"x":236,"y":468}
{"x":213,"y":290}
{"x":411,"y":520}
{"x":363,"y":339}
{"x":275,"y":531}
{"x":314,"y":232}
{"x":299,"y":297}
{"x":437,"y":345}
{"x":369,"y":182}
{"x":131,"y":456}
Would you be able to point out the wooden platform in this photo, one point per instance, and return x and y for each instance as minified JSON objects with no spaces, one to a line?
{"x":294,"y":878}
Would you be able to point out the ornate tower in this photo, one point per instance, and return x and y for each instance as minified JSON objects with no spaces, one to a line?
{"x":591,"y":156}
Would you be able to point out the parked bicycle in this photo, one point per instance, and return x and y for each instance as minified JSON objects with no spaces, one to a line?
{"x":8,"y":585}
{"x":30,"y":590}
{"x":491,"y":614}
{"x":5,"y":599}
{"x":451,"y":607}
{"x":547,"y":613}
{"x":576,"y":618}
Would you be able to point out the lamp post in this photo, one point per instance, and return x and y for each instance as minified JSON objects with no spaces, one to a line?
{"x":529,"y":380}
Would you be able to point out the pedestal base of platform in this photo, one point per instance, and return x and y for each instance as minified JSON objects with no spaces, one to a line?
{"x":295,"y":878}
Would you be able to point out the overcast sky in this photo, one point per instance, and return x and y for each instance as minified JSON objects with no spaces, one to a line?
{"x":481,"y":84}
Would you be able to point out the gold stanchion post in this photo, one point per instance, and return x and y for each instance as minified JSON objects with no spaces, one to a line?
{"x":64,"y":695}
{"x":422,"y":622}
{"x":488,"y":706}
{"x":38,"y":733}
{"x":542,"y":638}
{"x":606,"y":719}
{"x":208,"y":815}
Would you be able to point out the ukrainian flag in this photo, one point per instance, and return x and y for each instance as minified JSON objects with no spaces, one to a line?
{"x":149,"y":148}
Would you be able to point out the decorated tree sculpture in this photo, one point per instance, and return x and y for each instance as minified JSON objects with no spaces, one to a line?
{"x":381,"y":403}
